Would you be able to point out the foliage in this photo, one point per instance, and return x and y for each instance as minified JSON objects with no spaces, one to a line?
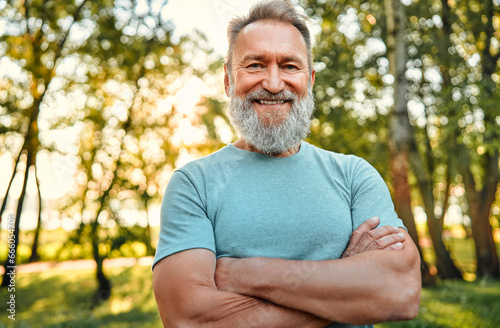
{"x":59,"y":245}
{"x":352,"y":87}
{"x":453,"y":75}
{"x":107,"y":72}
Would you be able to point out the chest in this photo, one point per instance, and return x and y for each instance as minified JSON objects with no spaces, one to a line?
{"x":302,"y":220}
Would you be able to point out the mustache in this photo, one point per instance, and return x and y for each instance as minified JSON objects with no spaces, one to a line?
{"x":283,"y":95}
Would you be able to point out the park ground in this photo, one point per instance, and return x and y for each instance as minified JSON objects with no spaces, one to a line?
{"x":52,"y":294}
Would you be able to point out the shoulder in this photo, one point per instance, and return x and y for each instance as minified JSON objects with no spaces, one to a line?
{"x":211,"y":171}
{"x":209,"y":162}
{"x":344,"y":161}
{"x":350,"y":168}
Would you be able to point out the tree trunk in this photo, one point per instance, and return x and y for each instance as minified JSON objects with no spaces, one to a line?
{"x":480,"y":203}
{"x":104,"y":285}
{"x":34,"y":257}
{"x":444,"y":264}
{"x":150,"y":251}
{"x":8,"y":262}
{"x":402,"y":201}
{"x":30,"y":145}
{"x":4,"y":202}
{"x":104,"y":289}
{"x":400,"y":129}
{"x":486,"y":252}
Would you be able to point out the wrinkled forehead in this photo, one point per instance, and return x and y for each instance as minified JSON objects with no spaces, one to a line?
{"x":270,"y":37}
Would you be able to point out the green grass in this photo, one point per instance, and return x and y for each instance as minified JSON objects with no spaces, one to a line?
{"x":457,"y":305}
{"x":57,"y":298}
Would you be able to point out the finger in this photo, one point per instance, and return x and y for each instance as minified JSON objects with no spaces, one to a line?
{"x":357,"y":234}
{"x":374,"y":235}
{"x":361,"y":231}
{"x":396,"y":246}
{"x":387,"y":241}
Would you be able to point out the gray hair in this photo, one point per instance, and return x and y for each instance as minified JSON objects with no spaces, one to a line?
{"x":274,"y":10}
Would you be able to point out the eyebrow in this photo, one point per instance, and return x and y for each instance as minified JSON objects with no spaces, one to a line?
{"x":291,"y":58}
{"x":253,"y":57}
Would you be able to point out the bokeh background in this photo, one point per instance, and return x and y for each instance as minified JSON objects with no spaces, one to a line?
{"x":100,"y":101}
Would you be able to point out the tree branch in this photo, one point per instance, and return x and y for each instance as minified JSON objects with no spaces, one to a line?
{"x":4,"y":202}
{"x":469,"y":182}
{"x":496,"y":58}
{"x":57,"y":55}
{"x":488,"y":61}
{"x":26,"y":15}
{"x":446,"y":201}
{"x":490,"y":179}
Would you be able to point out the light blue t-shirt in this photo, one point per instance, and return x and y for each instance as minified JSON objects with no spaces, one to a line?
{"x":244,"y":204}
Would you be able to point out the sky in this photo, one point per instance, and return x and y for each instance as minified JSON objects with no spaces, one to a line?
{"x":210,"y":17}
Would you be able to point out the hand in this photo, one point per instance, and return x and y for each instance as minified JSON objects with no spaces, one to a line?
{"x":222,"y":273}
{"x":366,"y":237}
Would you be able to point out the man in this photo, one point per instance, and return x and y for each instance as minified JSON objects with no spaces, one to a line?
{"x":271,"y":231}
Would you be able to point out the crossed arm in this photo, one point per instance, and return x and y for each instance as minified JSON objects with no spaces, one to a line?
{"x":187,"y":296}
{"x":377,"y":279}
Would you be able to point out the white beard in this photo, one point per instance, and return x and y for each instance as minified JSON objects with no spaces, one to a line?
{"x":276,"y":138}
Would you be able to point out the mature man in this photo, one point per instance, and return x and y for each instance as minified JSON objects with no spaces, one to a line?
{"x":271,"y":231}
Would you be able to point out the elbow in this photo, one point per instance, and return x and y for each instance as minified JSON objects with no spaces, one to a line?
{"x":408,"y":304}
{"x":406,"y":298}
{"x":402,"y":303}
{"x":174,"y":318}
{"x":174,"y":312}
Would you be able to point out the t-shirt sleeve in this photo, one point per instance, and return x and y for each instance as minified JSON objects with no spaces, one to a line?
{"x":184,"y":222}
{"x":371,"y":197}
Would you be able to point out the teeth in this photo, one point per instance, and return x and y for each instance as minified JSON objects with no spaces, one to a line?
{"x":266,"y":102}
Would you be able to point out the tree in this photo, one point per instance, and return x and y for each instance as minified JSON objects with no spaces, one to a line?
{"x":37,"y":34}
{"x":479,"y":157}
{"x":113,"y":63}
{"x":125,"y":144}
{"x":458,"y":41}
{"x":401,"y":132}
{"x":421,"y":155}
{"x":354,"y":92}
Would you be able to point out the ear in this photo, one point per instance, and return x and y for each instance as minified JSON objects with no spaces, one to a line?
{"x":313,"y":76}
{"x":226,"y":80}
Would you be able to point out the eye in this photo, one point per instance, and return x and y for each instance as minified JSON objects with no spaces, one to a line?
{"x":254,"y":65}
{"x":290,"y":67}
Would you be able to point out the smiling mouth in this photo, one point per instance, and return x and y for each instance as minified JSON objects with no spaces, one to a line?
{"x":271,"y":102}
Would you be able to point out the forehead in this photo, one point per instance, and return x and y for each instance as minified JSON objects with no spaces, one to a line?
{"x":264,"y":38}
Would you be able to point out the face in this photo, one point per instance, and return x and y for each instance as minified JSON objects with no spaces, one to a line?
{"x":270,"y":56}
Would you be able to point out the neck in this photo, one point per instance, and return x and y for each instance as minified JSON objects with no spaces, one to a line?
{"x":242,"y":144}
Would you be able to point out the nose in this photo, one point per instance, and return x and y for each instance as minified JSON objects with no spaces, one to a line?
{"x":273,"y":81}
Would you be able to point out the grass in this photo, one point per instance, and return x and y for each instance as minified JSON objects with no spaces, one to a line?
{"x":56,"y":298}
{"x":457,"y":305}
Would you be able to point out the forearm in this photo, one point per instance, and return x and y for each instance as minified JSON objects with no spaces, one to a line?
{"x":367,"y":288}
{"x":187,"y":296}
{"x":213,"y":308}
